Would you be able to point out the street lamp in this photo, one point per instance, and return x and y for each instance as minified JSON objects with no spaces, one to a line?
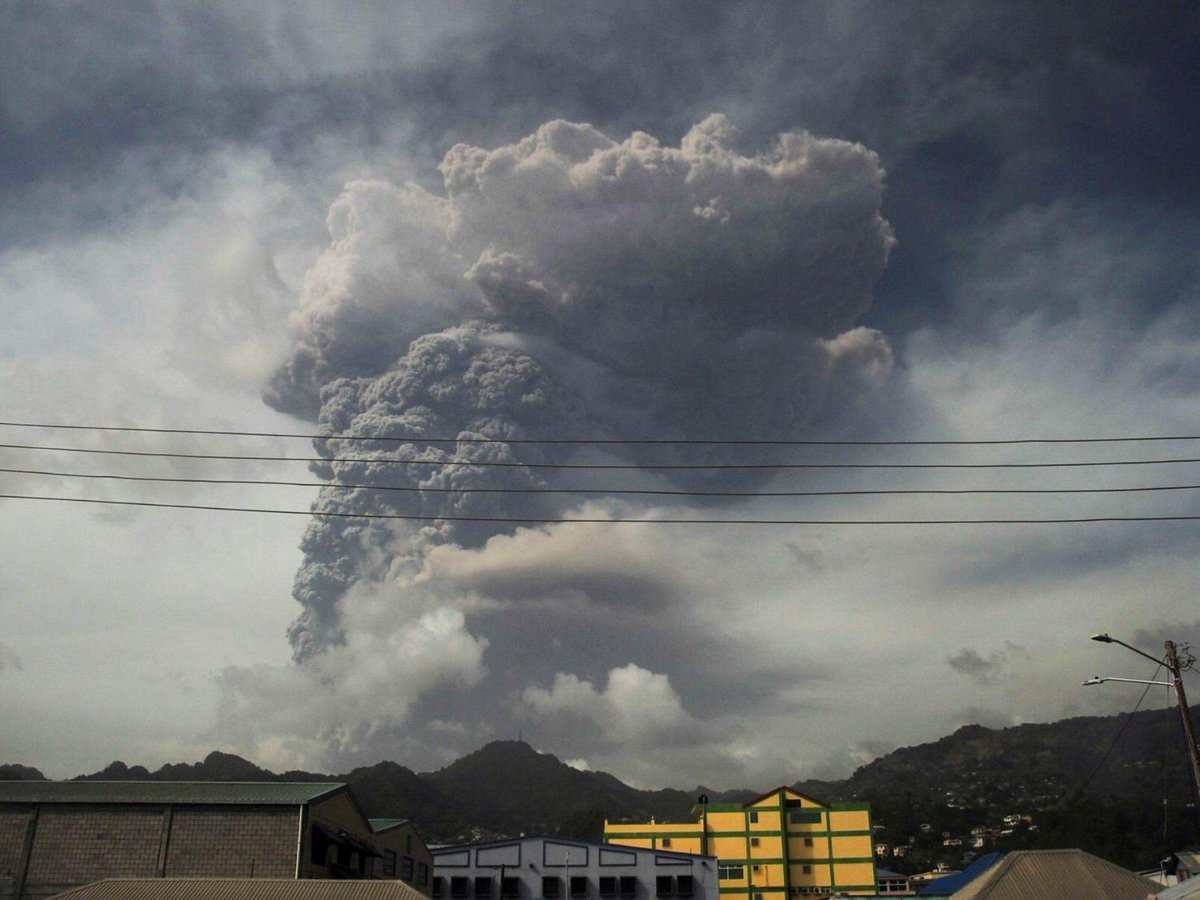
{"x":1171,"y":661}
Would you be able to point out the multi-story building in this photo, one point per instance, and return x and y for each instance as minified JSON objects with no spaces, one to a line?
{"x":773,"y":847}
{"x":543,"y":868}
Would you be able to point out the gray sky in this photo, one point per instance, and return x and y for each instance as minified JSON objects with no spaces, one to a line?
{"x":864,"y":221}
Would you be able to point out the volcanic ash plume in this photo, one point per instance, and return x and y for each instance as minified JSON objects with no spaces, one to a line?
{"x":566,"y":285}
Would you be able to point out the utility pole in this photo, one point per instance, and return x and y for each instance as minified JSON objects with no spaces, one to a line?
{"x":1172,"y":663}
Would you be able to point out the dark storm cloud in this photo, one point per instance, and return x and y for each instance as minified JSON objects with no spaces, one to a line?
{"x":573,"y":284}
{"x":1036,"y":176}
{"x":986,"y":670}
{"x":973,"y":106}
{"x":9,"y":660}
{"x":700,"y":289}
{"x":1151,"y":639}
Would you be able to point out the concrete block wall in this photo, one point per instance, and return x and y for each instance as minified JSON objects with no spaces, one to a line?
{"x":82,"y":844}
{"x":12,"y":838}
{"x":235,"y":842}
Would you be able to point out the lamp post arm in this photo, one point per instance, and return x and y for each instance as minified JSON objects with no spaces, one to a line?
{"x":1100,"y":679}
{"x":1135,"y":650}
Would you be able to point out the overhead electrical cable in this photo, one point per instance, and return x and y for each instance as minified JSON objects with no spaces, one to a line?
{"x":607,"y":466}
{"x":547,"y":520}
{"x":783,"y":442}
{"x":1120,"y":733}
{"x":420,"y":489}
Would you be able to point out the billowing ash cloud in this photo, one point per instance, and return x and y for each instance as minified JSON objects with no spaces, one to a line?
{"x":567,"y":285}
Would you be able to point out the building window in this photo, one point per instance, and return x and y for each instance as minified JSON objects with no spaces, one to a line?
{"x":664,"y":886}
{"x":510,"y":887}
{"x":551,"y":887}
{"x":458,"y":886}
{"x":628,"y":885}
{"x":726,"y":871}
{"x":666,"y":842}
{"x":808,"y":842}
{"x":406,"y":870}
{"x":320,"y":847}
{"x":802,"y":817}
{"x":683,"y":885}
{"x":408,"y":843}
{"x":756,"y":868}
{"x":608,"y":885}
{"x":483,"y":885}
{"x":807,"y":870}
{"x":754,"y":842}
{"x":422,"y":874}
{"x":754,"y":817}
{"x":439,"y":886}
{"x":758,"y":896}
{"x":389,"y":863}
{"x":579,"y":886}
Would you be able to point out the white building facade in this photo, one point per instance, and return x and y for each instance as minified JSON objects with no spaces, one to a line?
{"x":544,"y":868}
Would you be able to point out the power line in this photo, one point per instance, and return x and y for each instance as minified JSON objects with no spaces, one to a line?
{"x":606,"y":491}
{"x":544,"y":520}
{"x":607,"y":466}
{"x":673,"y":441}
{"x":1120,"y":733}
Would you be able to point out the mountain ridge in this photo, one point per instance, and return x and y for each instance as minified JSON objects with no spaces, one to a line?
{"x":1114,"y":785}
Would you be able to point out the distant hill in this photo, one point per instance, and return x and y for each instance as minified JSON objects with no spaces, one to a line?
{"x":1117,"y":786}
{"x":509,"y":787}
{"x":14,"y":772}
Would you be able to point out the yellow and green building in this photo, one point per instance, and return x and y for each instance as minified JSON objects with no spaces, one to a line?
{"x":774,"y":847}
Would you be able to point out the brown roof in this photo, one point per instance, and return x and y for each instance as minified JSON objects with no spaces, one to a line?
{"x":1056,"y":875}
{"x":240,"y":889}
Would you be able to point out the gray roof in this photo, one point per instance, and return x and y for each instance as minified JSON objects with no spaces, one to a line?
{"x":249,"y":793}
{"x":1056,"y":875}
{"x":241,"y":889}
{"x":444,"y":849}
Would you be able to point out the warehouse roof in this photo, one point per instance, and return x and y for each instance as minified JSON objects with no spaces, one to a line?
{"x":240,"y":889}
{"x":251,"y":793}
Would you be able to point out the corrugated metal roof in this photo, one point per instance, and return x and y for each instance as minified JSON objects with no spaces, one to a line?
{"x":944,"y":887}
{"x":1056,"y":875}
{"x":385,"y":824}
{"x":237,"y":792}
{"x":240,"y":889}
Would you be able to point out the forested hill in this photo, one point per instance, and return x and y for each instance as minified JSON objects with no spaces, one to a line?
{"x":1117,"y":786}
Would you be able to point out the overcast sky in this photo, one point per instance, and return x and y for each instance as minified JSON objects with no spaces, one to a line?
{"x":601,"y":221}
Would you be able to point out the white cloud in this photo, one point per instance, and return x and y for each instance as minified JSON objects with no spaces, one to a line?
{"x":347,"y":702}
{"x":637,"y":708}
